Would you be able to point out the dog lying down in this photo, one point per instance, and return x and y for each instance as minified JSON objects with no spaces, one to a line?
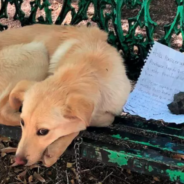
{"x":86,"y":86}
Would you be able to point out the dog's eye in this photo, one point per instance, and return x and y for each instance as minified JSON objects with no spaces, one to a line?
{"x":43,"y":132}
{"x":20,"y":109}
{"x":22,"y":122}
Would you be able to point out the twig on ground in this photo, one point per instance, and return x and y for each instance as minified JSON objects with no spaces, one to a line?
{"x":67,"y":177}
{"x":86,"y":170}
{"x":120,"y":179}
{"x":107,"y":176}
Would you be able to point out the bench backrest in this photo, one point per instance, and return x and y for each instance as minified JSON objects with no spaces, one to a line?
{"x":108,"y":16}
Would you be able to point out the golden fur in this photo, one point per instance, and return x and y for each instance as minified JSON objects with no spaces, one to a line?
{"x":19,"y":62}
{"x":87,"y":86}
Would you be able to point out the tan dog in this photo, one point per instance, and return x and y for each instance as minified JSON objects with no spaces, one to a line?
{"x":87,"y":87}
{"x":23,"y":61}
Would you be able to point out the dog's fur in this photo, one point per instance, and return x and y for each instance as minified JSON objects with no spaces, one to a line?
{"x":18,"y":62}
{"x":87,"y":86}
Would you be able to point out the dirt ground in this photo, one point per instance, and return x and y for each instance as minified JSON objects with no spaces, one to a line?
{"x":162,"y":12}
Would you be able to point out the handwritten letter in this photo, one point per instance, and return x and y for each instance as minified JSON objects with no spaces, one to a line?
{"x":162,"y":76}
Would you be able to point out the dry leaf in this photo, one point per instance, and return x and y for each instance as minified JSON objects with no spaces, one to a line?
{"x":156,"y":178}
{"x":34,"y":166}
{"x":49,"y":172}
{"x":178,"y":156}
{"x":3,"y":154}
{"x":39,"y":177}
{"x":69,"y":165}
{"x":11,"y":174}
{"x":9,"y":150}
{"x":128,"y":171}
{"x":19,"y":179}
{"x":30,"y":179}
{"x":91,"y":178}
{"x":14,"y":164}
{"x":72,"y":182}
{"x":17,"y":170}
{"x":74,"y":171}
{"x":22,"y":174}
{"x":12,"y":160}
{"x":1,"y":146}
{"x":4,"y":139}
{"x":25,"y":182}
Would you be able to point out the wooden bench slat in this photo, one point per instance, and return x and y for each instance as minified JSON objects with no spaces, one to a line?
{"x":144,"y":155}
{"x":10,"y":131}
{"x":167,"y":129}
{"x":106,"y":154}
{"x":147,"y":153}
{"x":162,"y":143}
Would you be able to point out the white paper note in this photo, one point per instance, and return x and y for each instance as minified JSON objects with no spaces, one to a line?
{"x":161,"y":78}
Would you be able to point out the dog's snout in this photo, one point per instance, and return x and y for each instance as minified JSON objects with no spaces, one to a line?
{"x":20,"y":160}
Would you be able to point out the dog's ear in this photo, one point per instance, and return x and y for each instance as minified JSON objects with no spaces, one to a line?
{"x":17,"y":94}
{"x":80,"y":107}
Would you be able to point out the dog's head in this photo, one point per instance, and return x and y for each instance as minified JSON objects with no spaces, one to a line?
{"x":48,"y":113}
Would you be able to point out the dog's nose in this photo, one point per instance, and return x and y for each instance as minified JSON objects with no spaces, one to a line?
{"x":20,"y":160}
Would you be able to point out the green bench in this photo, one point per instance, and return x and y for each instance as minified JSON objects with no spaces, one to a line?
{"x":149,"y":147}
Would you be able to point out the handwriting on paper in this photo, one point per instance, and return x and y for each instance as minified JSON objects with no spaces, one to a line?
{"x":162,"y":76}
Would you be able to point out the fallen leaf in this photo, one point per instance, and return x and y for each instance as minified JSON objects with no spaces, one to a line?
{"x":74,"y":171}
{"x":3,"y":154}
{"x":178,"y":156}
{"x":92,"y":178}
{"x":25,"y":182}
{"x":19,"y":179}
{"x":12,"y":160}
{"x":8,"y":150}
{"x":128,"y":171}
{"x":11,"y":174}
{"x":1,"y":146}
{"x":69,"y":165}
{"x":14,"y":164}
{"x":39,"y":177}
{"x":17,"y":170}
{"x":34,"y":166}
{"x":49,"y":172}
{"x":22,"y":174}
{"x":30,"y":179}
{"x":156,"y":178}
{"x":4,"y":139}
{"x":72,"y":182}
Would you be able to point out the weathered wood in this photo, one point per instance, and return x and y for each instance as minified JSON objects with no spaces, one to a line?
{"x":131,"y":143}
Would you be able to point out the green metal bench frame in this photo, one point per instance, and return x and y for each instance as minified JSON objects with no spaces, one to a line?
{"x":132,"y":143}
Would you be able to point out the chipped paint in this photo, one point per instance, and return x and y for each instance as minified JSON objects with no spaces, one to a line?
{"x":175,"y":175}
{"x":115,"y":157}
{"x":150,"y":168}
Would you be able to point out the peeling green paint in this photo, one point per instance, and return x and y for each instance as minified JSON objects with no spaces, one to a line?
{"x":115,"y":157}
{"x":169,"y":146}
{"x":150,"y":168}
{"x":117,"y":136}
{"x":84,"y":153}
{"x":175,"y":175}
{"x":180,"y":164}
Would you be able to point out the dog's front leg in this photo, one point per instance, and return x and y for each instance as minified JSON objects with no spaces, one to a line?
{"x":56,"y":149}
